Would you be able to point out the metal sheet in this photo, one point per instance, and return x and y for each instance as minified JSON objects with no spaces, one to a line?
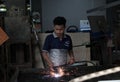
{"x":18,"y":28}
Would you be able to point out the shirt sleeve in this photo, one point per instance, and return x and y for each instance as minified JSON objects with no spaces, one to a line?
{"x":46,"y":45}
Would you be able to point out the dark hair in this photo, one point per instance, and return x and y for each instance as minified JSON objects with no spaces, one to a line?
{"x":59,"y":21}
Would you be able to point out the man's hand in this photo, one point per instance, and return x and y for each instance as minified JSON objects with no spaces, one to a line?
{"x":50,"y":64}
{"x":71,"y":61}
{"x":72,"y":58}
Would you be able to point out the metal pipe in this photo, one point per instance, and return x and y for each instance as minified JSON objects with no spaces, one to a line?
{"x":38,"y":44}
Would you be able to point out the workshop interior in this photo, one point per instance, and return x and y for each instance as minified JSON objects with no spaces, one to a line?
{"x":94,"y":27}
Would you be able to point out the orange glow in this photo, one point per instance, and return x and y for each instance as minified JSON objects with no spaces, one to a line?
{"x":60,"y":72}
{"x":52,"y":73}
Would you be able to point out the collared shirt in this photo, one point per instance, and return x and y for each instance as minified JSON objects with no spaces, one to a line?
{"x":57,"y":48}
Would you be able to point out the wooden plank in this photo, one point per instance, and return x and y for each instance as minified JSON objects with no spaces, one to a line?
{"x":3,"y":36}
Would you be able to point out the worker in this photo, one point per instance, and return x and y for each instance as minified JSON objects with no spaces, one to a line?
{"x":57,"y":45}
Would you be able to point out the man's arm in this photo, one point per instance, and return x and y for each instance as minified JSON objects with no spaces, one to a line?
{"x":70,"y":52}
{"x":72,"y":58}
{"x":47,"y":59}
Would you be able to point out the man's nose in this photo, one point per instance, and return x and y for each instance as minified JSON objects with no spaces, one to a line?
{"x":59,"y":31}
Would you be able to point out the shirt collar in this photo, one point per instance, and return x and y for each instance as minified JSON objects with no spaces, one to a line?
{"x":55,"y":36}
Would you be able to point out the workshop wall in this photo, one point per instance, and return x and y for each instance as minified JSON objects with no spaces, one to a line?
{"x":72,"y":10}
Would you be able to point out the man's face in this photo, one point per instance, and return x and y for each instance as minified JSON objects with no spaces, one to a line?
{"x":59,"y":30}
